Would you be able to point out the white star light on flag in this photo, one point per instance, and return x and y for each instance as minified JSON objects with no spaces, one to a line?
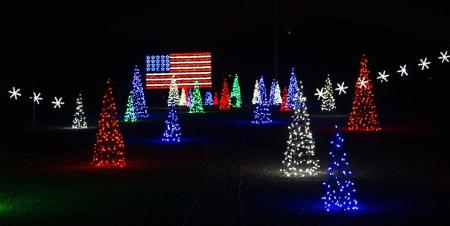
{"x":14,"y":93}
{"x":36,"y":97}
{"x":341,"y":88}
{"x":362,"y":83}
{"x":320,"y":93}
{"x":444,"y":57}
{"x":402,"y":70}
{"x":57,"y":102}
{"x":424,"y":63}
{"x":383,"y":76}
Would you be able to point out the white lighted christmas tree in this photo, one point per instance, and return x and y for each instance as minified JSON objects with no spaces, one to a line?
{"x":79,"y":120}
{"x":256,"y":96}
{"x":299,"y":157}
{"x":183,"y":101}
{"x":328,"y":102}
{"x":174,"y":98}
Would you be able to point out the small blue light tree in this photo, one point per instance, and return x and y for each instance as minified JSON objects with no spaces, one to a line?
{"x":172,"y":132}
{"x":138,"y":98}
{"x":339,"y":187}
{"x":208,"y":99}
{"x":261,"y":113}
{"x":293,"y":90}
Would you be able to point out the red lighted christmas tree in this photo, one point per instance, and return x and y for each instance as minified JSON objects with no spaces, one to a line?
{"x":284,"y":103}
{"x":224,"y":104}
{"x":216,"y":99}
{"x":109,"y":149}
{"x":364,"y":115}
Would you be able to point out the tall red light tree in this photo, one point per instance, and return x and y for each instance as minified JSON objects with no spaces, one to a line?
{"x":284,"y":104}
{"x":363,"y":116}
{"x":109,"y":148}
{"x":224,"y":104}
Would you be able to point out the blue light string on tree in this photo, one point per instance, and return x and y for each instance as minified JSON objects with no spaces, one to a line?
{"x":293,"y":90}
{"x":172,"y":131}
{"x":139,"y":103}
{"x":208,"y":99}
{"x":261,"y":112}
{"x":340,"y":189}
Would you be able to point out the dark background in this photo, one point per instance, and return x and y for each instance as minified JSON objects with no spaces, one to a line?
{"x":60,"y":49}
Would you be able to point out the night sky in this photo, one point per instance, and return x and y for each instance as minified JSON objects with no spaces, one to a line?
{"x":64,"y":48}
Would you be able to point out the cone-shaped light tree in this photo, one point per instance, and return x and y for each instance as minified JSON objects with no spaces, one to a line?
{"x":293,"y":90}
{"x":79,"y":119}
{"x":328,"y":102}
{"x":275,"y":94}
{"x":172,"y":130}
{"x":109,"y":148}
{"x":235,"y":96}
{"x":363,"y":116}
{"x":130,"y":115}
{"x":196,"y":100}
{"x":261,"y":113}
{"x":139,"y":103}
{"x":284,"y":105}
{"x":340,"y":189}
{"x":183,"y":98}
{"x":173,"y":98}
{"x":224,"y":103}
{"x":256,"y":96}
{"x":299,"y":157}
{"x":208,"y":98}
{"x":189,"y":98}
{"x":216,"y":99}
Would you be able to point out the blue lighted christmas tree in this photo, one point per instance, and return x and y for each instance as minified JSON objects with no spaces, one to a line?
{"x":208,"y":99}
{"x":172,"y":132}
{"x":261,"y":112}
{"x":339,"y":187}
{"x":293,"y":90}
{"x":138,"y":100}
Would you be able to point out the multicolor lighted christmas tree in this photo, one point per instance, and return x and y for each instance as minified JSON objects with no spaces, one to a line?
{"x":256,"y":96}
{"x":293,"y":90}
{"x":109,"y":148}
{"x":275,"y":94}
{"x":208,"y":99}
{"x":363,"y":116}
{"x":79,"y":120}
{"x":139,"y":103}
{"x":235,"y":96}
{"x":340,"y":189}
{"x":216,"y":99}
{"x":261,"y":113}
{"x":130,"y":116}
{"x":173,"y":98}
{"x":328,"y":102}
{"x":196,"y":101}
{"x":299,"y":157}
{"x":172,"y":131}
{"x":183,"y":99}
{"x":284,"y":105}
{"x":224,"y":103}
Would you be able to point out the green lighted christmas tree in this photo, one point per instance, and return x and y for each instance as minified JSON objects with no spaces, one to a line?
{"x":196,"y":101}
{"x":235,"y":96}
{"x":130,"y":115}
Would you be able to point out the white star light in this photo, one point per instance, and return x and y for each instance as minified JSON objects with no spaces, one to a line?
{"x":402,"y":70}
{"x":320,"y":93}
{"x":424,"y":64}
{"x":362,"y":82}
{"x":57,"y":102}
{"x":14,"y":93}
{"x":341,"y":88}
{"x":444,"y":57}
{"x":383,"y":76}
{"x":36,"y":97}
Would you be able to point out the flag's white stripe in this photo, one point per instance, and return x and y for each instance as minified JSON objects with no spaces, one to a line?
{"x":181,"y":73}
{"x":189,"y":57}
{"x":191,"y":62}
{"x":169,"y":79}
{"x":179,"y":84}
{"x":199,"y":67}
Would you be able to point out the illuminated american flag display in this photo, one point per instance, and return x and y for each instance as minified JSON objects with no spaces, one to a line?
{"x":186,"y":67}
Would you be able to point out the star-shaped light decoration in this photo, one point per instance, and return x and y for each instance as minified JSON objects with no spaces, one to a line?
{"x":14,"y":93}
{"x":57,"y":102}
{"x":444,"y":57}
{"x":341,"y":88}
{"x":320,"y":93}
{"x":383,"y":76}
{"x":402,"y":70}
{"x":36,"y":97}
{"x":424,"y":64}
{"x":362,"y":83}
